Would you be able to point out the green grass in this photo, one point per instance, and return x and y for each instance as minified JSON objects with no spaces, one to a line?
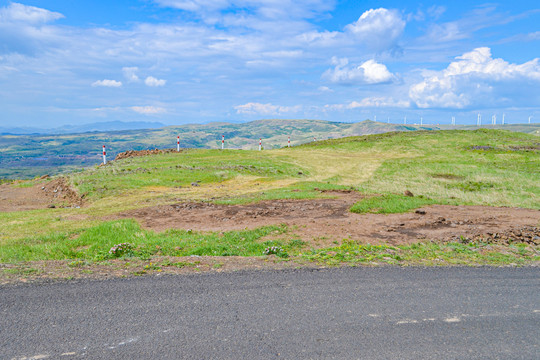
{"x":442,"y":166}
{"x":424,"y":253}
{"x":93,"y":245}
{"x":390,"y":203}
{"x":176,"y":170}
{"x":95,"y":242}
{"x":301,"y":190}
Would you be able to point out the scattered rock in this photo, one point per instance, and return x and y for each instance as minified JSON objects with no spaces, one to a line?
{"x":524,"y":234}
{"x":194,"y":184}
{"x":420,"y":212}
{"x":51,"y":206}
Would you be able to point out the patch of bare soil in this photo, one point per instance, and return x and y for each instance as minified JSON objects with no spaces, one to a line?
{"x":53,"y":193}
{"x":135,"y":153}
{"x":322,"y":222}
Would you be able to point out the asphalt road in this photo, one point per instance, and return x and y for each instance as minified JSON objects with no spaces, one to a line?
{"x":353,"y":313}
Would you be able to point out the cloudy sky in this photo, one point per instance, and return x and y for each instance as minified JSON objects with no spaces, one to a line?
{"x":193,"y":61}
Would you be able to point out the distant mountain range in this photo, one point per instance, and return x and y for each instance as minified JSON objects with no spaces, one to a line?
{"x":93,"y":127}
{"x":24,"y":156}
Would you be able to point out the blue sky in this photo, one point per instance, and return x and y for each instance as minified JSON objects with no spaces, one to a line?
{"x":193,"y":61}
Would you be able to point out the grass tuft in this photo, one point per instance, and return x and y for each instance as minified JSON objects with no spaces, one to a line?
{"x":390,"y":203}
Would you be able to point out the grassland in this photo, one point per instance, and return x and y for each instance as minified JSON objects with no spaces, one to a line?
{"x":27,"y":156}
{"x":481,"y":167}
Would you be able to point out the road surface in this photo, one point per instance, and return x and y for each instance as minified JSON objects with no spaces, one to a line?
{"x":350,"y":313}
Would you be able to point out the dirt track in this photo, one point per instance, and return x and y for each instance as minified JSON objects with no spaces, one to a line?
{"x":323,"y":221}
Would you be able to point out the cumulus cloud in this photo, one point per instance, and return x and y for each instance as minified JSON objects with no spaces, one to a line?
{"x":376,"y":30}
{"x":475,"y":78}
{"x":379,"y":28}
{"x":369,"y":72}
{"x":130,"y":73}
{"x":16,"y":12}
{"x":371,"y":102}
{"x":107,"y":83}
{"x":148,"y":110}
{"x":24,"y":29}
{"x":265,"y":109}
{"x":152,"y":81}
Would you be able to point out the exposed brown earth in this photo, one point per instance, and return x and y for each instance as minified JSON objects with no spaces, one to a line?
{"x":322,"y":222}
{"x":49,"y":193}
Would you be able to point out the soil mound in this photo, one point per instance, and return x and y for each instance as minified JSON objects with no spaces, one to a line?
{"x":135,"y":153}
{"x":49,"y":194}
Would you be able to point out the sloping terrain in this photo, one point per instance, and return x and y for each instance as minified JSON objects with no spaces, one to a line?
{"x":423,"y":197}
{"x":27,"y":156}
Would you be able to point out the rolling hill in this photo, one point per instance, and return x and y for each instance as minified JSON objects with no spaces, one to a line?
{"x":27,"y":156}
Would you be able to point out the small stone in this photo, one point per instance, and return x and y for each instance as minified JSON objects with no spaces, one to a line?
{"x":421,"y":212}
{"x":51,"y":206}
{"x":408,"y":193}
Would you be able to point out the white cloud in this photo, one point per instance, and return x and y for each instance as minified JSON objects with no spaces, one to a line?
{"x":371,"y":102}
{"x":265,"y":109}
{"x":436,"y":11}
{"x":152,"y":81}
{"x":148,"y":110}
{"x":130,"y":73}
{"x":324,"y":89}
{"x":195,"y":5}
{"x":16,"y":12}
{"x":107,"y":83}
{"x":379,"y":28}
{"x":475,"y":78}
{"x":24,"y":29}
{"x":369,"y":72}
{"x":269,"y":9}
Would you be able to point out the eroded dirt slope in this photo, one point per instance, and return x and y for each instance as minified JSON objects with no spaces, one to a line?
{"x":42,"y":195}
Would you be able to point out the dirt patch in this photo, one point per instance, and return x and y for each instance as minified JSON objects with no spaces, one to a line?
{"x":323,"y":222}
{"x":134,"y":153}
{"x":44,"y":194}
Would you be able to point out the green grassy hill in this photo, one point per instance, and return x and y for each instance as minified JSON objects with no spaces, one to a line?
{"x":458,"y":167}
{"x":29,"y":156}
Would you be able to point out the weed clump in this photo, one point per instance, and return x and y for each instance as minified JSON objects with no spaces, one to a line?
{"x":275,"y":250}
{"x":124,"y":249}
